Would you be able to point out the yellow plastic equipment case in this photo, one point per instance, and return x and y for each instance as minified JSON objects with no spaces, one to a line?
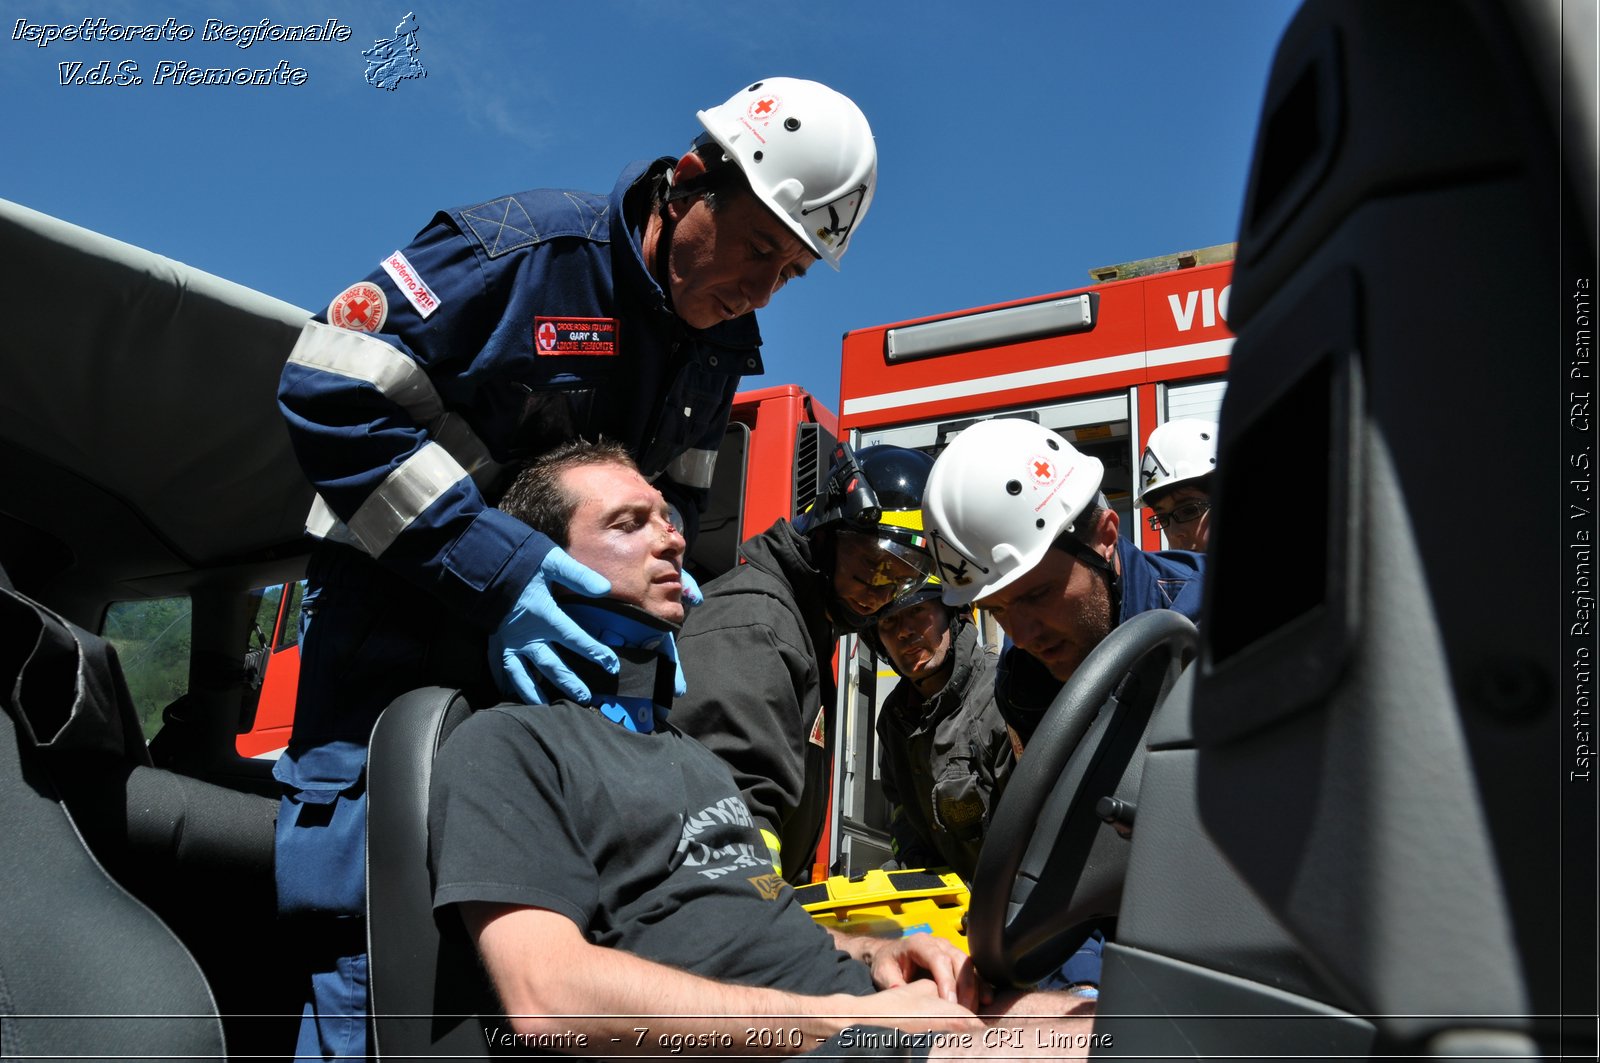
{"x":891,"y":904}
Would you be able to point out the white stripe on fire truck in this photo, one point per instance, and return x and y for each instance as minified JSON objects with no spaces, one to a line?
{"x":1190,"y":352}
{"x":1053,"y":374}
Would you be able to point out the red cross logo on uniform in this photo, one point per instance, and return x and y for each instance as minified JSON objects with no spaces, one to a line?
{"x":360,"y":308}
{"x":547,"y":337}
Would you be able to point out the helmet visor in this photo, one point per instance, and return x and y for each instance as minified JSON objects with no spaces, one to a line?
{"x":870,"y":571}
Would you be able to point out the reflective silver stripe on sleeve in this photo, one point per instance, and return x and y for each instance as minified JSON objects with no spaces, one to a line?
{"x":452,"y":432}
{"x":402,"y":497}
{"x":383,"y":516}
{"x":458,"y":440}
{"x":359,"y":357}
{"x":693,"y":468}
{"x":323,"y":523}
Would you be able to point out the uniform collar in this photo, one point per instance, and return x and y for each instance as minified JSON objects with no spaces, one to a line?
{"x":1154,"y":578}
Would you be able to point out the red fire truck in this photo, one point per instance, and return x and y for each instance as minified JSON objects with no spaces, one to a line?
{"x":1103,"y":365}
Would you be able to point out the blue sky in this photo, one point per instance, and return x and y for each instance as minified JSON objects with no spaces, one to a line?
{"x":1020,"y":144}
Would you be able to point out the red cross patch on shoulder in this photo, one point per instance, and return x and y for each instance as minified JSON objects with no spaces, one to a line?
{"x":595,"y":336}
{"x":359,"y":308}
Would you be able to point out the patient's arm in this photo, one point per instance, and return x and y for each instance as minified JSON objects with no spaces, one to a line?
{"x":897,"y":961}
{"x":552,"y":980}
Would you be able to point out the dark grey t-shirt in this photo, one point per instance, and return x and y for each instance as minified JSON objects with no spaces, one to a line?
{"x":642,"y":840}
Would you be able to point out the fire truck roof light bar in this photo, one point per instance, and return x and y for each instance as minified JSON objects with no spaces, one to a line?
{"x":1055,"y":317}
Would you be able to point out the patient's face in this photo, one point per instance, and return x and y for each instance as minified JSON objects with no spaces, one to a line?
{"x":622,"y":528}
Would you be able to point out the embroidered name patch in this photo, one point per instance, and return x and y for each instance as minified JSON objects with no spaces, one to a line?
{"x":575,"y":335}
{"x":359,"y":308}
{"x":413,"y":287}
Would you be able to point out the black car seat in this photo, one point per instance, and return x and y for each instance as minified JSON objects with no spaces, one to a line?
{"x":430,"y":996}
{"x":1353,"y":815}
{"x":86,"y":970}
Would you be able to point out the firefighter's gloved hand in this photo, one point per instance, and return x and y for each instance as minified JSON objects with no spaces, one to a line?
{"x":523,"y":648}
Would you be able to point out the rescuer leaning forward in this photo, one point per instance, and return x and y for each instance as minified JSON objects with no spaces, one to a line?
{"x":460,"y":356}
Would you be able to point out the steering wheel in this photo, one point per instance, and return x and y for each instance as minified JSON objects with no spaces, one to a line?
{"x":1049,"y":864}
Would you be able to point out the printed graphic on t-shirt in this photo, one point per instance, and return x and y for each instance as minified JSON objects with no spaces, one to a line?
{"x":770,"y":885}
{"x":706,"y":846}
{"x":575,"y":335}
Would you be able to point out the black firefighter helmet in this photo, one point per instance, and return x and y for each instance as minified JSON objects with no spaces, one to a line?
{"x":868,"y":517}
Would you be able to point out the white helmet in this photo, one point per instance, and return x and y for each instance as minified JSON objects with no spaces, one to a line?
{"x":1177,"y":451}
{"x":998,"y":496}
{"x":808,"y":154}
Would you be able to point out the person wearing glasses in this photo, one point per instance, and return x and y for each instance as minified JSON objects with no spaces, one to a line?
{"x":1175,"y":482}
{"x":758,"y":652}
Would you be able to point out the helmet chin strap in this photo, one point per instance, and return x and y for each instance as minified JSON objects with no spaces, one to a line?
{"x":664,"y":194}
{"x":1091,"y":557}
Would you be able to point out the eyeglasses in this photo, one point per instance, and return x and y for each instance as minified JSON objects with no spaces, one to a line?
{"x":1181,"y":514}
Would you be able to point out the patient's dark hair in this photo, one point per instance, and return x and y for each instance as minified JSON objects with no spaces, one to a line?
{"x":537,"y":497}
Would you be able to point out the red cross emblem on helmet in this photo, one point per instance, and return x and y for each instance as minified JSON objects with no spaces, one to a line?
{"x":1044,"y":470}
{"x":765,"y":108}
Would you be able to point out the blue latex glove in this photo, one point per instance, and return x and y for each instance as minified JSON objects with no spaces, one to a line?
{"x":691,"y":592}
{"x":691,"y":598}
{"x":680,"y":685}
{"x":523,"y":647}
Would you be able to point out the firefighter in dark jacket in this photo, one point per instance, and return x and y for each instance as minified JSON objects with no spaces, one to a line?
{"x":760,"y":648}
{"x":944,"y":754}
